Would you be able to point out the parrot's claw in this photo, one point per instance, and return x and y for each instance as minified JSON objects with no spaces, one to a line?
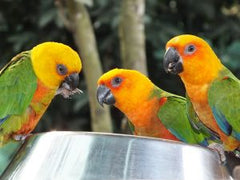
{"x":20,"y":137}
{"x":218,"y":148}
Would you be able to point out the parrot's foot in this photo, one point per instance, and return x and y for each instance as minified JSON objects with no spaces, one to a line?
{"x":218,"y":148}
{"x":20,"y":137}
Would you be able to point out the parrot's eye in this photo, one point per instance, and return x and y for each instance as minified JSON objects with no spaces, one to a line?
{"x":61,"y":69}
{"x":116,"y":81}
{"x":190,"y":49}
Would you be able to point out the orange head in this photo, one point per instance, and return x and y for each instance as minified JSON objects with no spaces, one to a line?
{"x":125,"y":89}
{"x":57,"y":66}
{"x":192,"y":58}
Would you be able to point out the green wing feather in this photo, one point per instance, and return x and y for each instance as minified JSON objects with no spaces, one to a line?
{"x":173,"y":114}
{"x":18,"y":83}
{"x":131,"y":126}
{"x":197,"y":124}
{"x":224,"y":100}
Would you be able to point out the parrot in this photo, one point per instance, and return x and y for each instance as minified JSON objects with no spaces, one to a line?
{"x":212,"y":89}
{"x":29,"y":82}
{"x":150,"y":110}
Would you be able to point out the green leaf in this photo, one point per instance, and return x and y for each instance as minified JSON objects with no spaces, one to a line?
{"x":47,"y":17}
{"x":232,"y":55}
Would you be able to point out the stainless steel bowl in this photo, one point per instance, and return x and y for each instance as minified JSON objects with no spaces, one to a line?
{"x":99,"y":156}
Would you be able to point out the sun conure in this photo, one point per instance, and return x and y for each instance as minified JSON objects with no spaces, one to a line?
{"x":150,"y":110}
{"x":212,"y":89}
{"x":29,"y":82}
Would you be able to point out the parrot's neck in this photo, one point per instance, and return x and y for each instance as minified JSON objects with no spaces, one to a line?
{"x":144,"y":116}
{"x":197,"y":84}
{"x":42,"y":97}
{"x":200,"y":74}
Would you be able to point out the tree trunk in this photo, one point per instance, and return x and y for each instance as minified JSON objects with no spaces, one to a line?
{"x":132,"y":40}
{"x":131,"y":34}
{"x":85,"y":39}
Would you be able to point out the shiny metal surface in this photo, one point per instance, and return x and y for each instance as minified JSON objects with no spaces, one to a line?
{"x":7,"y":153}
{"x":80,"y":156}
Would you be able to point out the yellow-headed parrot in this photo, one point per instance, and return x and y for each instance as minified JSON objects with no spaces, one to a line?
{"x":29,"y":82}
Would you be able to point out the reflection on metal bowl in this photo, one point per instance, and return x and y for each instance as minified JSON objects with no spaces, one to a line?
{"x":99,"y":156}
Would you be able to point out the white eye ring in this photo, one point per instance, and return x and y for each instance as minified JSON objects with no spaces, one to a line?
{"x":190,"y":49}
{"x":116,"y":81}
{"x":61,"y":69}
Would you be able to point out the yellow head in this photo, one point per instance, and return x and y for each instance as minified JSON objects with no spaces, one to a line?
{"x":53,"y":62}
{"x":192,"y":58}
{"x":125,"y":89}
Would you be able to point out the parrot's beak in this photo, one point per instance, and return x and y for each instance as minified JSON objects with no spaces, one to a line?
{"x":72,"y":80}
{"x":172,"y":61}
{"x":69,"y":85}
{"x":104,"y":95}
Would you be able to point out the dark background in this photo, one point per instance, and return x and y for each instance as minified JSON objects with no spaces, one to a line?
{"x":24,"y":24}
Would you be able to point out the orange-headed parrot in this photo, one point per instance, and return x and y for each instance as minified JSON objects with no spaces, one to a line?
{"x":212,"y":89}
{"x":151,"y":111}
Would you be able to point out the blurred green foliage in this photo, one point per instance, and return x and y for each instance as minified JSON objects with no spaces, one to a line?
{"x":24,"y":24}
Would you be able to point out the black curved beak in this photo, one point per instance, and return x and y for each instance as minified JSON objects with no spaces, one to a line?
{"x":172,"y":61}
{"x":69,"y":86}
{"x":72,"y":81}
{"x":104,"y":95}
